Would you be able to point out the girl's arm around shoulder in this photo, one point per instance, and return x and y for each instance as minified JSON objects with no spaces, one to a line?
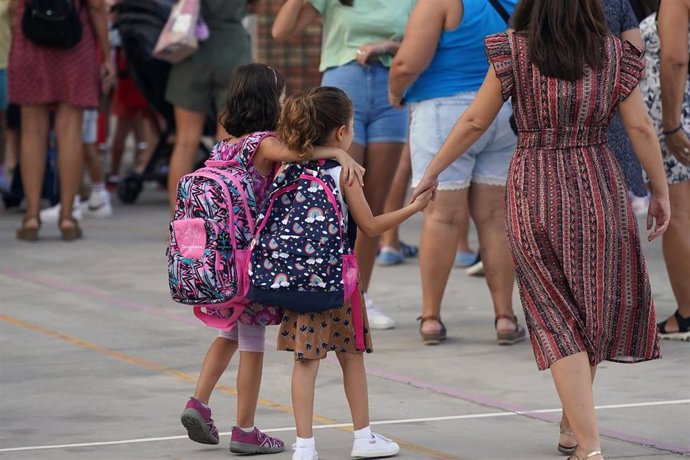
{"x":272,"y":151}
{"x":373,"y":226}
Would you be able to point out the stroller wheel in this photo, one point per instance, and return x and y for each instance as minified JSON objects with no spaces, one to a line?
{"x":129,"y":188}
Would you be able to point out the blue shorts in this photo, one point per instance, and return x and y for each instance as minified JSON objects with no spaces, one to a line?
{"x":486,"y":162}
{"x":376,"y":121}
{"x":3,"y":89}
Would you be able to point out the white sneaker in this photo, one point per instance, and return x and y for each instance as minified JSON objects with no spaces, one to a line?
{"x":98,"y":205}
{"x":52,"y":214}
{"x":476,"y":269}
{"x":377,"y":319}
{"x":304,"y":453}
{"x":376,"y":446}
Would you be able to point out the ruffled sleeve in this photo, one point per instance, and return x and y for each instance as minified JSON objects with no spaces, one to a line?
{"x":501,"y":57}
{"x":632,"y":68}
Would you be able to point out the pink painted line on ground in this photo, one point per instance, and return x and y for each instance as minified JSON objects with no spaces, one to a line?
{"x":109,"y":298}
{"x":508,"y":407}
{"x":388,"y":375}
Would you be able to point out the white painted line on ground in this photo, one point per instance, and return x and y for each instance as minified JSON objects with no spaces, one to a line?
{"x":342,"y":425}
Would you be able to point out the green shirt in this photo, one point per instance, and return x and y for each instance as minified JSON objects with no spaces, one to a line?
{"x":346,"y":28}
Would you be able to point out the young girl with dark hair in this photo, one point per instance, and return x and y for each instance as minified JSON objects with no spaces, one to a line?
{"x":251,"y":117}
{"x":573,"y":234}
{"x":323,"y":117}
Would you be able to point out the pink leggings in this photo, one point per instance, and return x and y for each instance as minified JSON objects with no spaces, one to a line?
{"x":250,"y":338}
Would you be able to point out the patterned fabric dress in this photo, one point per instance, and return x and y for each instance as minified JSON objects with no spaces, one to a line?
{"x":582,"y":277}
{"x":41,"y":75}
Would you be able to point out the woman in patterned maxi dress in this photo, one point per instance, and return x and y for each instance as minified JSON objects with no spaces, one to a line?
{"x":574,"y":237}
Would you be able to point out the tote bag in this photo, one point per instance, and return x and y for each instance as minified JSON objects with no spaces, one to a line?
{"x":178,"y":40}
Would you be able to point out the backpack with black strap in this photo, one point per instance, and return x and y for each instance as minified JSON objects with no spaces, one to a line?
{"x":52,"y":23}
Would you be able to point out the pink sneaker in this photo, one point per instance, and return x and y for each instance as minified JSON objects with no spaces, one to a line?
{"x":254,"y":442}
{"x":196,"y":417}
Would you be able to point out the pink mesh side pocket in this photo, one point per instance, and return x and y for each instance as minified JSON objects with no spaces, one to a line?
{"x":350,"y":274}
{"x":242,"y":267}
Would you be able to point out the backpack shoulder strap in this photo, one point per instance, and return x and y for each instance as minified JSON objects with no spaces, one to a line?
{"x":500,"y":10}
{"x":250,"y":145}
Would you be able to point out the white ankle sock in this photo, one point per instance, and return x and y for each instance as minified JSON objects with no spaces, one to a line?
{"x":98,"y":187}
{"x":364,"y":433}
{"x":246,"y":430}
{"x":305,"y":443}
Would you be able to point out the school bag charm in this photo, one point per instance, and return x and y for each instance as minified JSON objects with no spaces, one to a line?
{"x":210,"y":234}
{"x":301,"y":258}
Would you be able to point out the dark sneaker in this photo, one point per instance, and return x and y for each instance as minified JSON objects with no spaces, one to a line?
{"x":254,"y":442}
{"x":196,"y":418}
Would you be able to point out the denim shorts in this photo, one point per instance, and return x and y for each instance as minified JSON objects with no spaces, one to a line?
{"x":3,"y":89}
{"x":486,"y":162}
{"x":89,"y":127}
{"x":375,"y":119}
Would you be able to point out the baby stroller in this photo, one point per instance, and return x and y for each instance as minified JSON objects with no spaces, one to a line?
{"x":139,"y":23}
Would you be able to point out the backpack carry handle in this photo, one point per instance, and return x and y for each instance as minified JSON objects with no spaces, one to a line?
{"x":216,"y":322}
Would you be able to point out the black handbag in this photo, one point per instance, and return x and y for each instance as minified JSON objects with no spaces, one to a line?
{"x":52,"y":23}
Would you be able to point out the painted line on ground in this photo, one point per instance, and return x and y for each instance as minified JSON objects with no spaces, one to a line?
{"x":348,"y":425}
{"x":190,"y":378}
{"x":372,"y":371}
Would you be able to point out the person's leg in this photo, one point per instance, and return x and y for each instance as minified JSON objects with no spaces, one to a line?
{"x":215,"y":362}
{"x":68,"y":128}
{"x":572,"y":376}
{"x":396,"y":197}
{"x":303,"y":382}
{"x":189,"y":128}
{"x":436,"y":255}
{"x":123,"y":127}
{"x":567,"y":439}
{"x":33,"y":146}
{"x":378,"y":161}
{"x":355,"y":383}
{"x":251,"y":340}
{"x":149,"y":136}
{"x":676,"y":249}
{"x":487,"y":207}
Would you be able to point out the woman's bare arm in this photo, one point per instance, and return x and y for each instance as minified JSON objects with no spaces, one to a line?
{"x":294,"y":16}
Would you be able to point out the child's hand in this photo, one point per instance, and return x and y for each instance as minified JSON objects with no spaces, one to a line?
{"x":421,"y":201}
{"x":352,"y":171}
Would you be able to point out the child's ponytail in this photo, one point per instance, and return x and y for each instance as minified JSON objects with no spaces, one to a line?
{"x":308,"y":118}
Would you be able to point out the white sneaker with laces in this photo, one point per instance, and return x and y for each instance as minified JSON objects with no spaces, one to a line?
{"x":376,"y":446}
{"x":52,"y":214}
{"x":304,"y":453}
{"x":377,"y":319}
{"x":98,"y":205}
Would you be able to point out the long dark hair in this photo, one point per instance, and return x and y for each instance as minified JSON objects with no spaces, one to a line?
{"x":253,"y":102}
{"x":308,"y":118}
{"x":563,"y":35}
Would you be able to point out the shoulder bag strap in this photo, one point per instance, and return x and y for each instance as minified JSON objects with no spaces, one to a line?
{"x":500,"y":10}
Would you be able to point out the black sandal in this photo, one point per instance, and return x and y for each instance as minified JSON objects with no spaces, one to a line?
{"x":510,"y":337}
{"x":566,"y":450}
{"x":432,"y":338}
{"x":683,"y":332}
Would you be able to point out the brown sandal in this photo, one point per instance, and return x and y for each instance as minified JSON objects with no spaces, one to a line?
{"x":588,"y":456}
{"x":70,"y":233}
{"x":432,"y":338}
{"x":510,"y":337}
{"x":28,"y":233}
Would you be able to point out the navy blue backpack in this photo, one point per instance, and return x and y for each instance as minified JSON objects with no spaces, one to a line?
{"x":301,"y":258}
